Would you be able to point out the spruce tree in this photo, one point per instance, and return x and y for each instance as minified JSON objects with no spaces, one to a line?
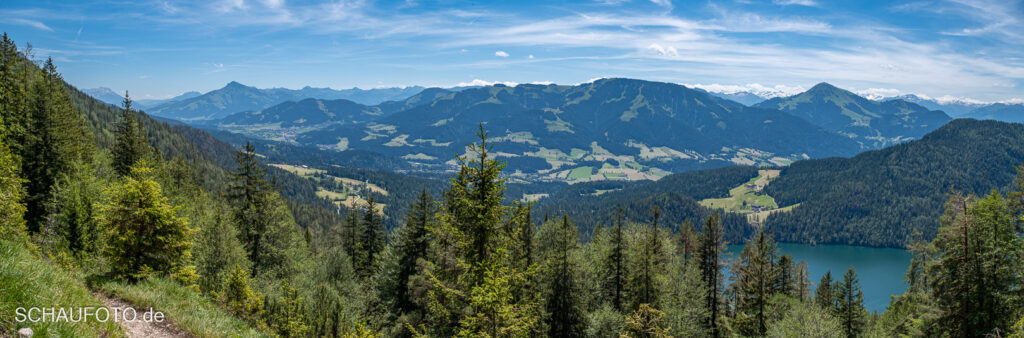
{"x":755,"y":282}
{"x":12,"y":211}
{"x":644,"y":286}
{"x":131,"y":143}
{"x":400,"y":265}
{"x":56,"y":142}
{"x":614,"y":281}
{"x":371,"y":237}
{"x":851,"y":311}
{"x":145,"y":234}
{"x":561,"y":292}
{"x":825,"y":294}
{"x":711,"y":248}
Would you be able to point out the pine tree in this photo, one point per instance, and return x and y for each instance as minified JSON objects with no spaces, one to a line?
{"x":561,"y":292}
{"x":824,"y":294}
{"x":711,"y":248}
{"x":240,"y":299}
{"x":131,"y":141}
{"x":785,"y":273}
{"x":614,"y":281}
{"x":56,"y":142}
{"x":218,"y":252}
{"x":755,"y":275}
{"x":644,"y":286}
{"x":400,"y":264}
{"x":145,"y":235}
{"x":288,"y":315}
{"x":851,"y":311}
{"x":371,"y":238}
{"x":266,"y":227}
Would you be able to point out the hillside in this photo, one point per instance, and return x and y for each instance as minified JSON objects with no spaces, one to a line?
{"x":878,"y":198}
{"x":236,"y":97}
{"x":999,"y":112}
{"x":871,"y":123}
{"x":306,"y":113}
{"x":610,"y":129}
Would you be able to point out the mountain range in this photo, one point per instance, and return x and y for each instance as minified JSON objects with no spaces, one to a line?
{"x":236,"y":97}
{"x":999,"y":112}
{"x":108,"y":96}
{"x":872,"y":123}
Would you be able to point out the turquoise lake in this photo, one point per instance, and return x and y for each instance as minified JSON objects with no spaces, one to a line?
{"x":879,"y":270}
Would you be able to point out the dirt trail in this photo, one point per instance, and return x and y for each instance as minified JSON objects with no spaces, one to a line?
{"x":140,"y":328}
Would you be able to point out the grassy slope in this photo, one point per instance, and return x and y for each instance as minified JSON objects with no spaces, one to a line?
{"x":188,"y":310}
{"x":28,"y":281}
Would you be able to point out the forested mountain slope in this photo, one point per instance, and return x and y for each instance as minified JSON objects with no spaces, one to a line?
{"x":878,"y":198}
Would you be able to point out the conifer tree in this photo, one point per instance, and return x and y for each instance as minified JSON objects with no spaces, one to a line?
{"x":218,"y":252}
{"x":56,"y":142}
{"x":399,"y":264}
{"x":825,"y":294}
{"x":755,"y":282}
{"x":238,"y":297}
{"x":131,"y":142}
{"x":561,"y":292}
{"x":288,"y":318}
{"x":371,"y":238}
{"x":851,"y":311}
{"x":803,"y":282}
{"x":711,"y":248}
{"x":145,"y":234}
{"x":644,"y":286}
{"x":614,"y":281}
{"x":785,"y":273}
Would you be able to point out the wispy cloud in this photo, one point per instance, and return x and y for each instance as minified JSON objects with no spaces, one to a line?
{"x":32,"y":23}
{"x":501,"y":53}
{"x":796,"y":2}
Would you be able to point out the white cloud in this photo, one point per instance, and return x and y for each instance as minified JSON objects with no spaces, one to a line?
{"x":501,"y":53}
{"x":663,"y":51}
{"x":33,"y":23}
{"x":752,"y":88}
{"x":529,"y":56}
{"x":877,"y":93}
{"x":811,"y":3}
{"x":663,"y":3}
{"x":482,"y":83}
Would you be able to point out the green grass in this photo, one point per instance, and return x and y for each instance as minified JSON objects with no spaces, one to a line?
{"x":740,"y":199}
{"x":28,"y":281}
{"x":189,"y":311}
{"x":580,"y":173}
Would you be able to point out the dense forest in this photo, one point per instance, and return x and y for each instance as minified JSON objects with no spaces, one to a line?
{"x":108,"y":202}
{"x":880,"y":198}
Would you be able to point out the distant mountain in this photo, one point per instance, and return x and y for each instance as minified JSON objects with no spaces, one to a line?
{"x":955,"y":108}
{"x":156,"y":102}
{"x":874,"y":124}
{"x":746,"y":98}
{"x":617,"y":129}
{"x":236,"y":97}
{"x":306,"y":113}
{"x":999,"y":112}
{"x":319,"y":113}
{"x":105,"y":95}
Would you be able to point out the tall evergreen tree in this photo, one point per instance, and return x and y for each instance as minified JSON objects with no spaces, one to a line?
{"x":755,"y":282}
{"x":561,"y":292}
{"x":851,"y":311}
{"x":825,"y":294}
{"x":12,"y":211}
{"x":56,"y":142}
{"x":711,"y":248}
{"x":644,"y":285}
{"x":615,"y":273}
{"x":409,"y":245}
{"x":132,"y":144}
{"x":372,"y":238}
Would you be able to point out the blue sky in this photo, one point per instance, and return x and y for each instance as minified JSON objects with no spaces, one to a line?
{"x":156,"y":49}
